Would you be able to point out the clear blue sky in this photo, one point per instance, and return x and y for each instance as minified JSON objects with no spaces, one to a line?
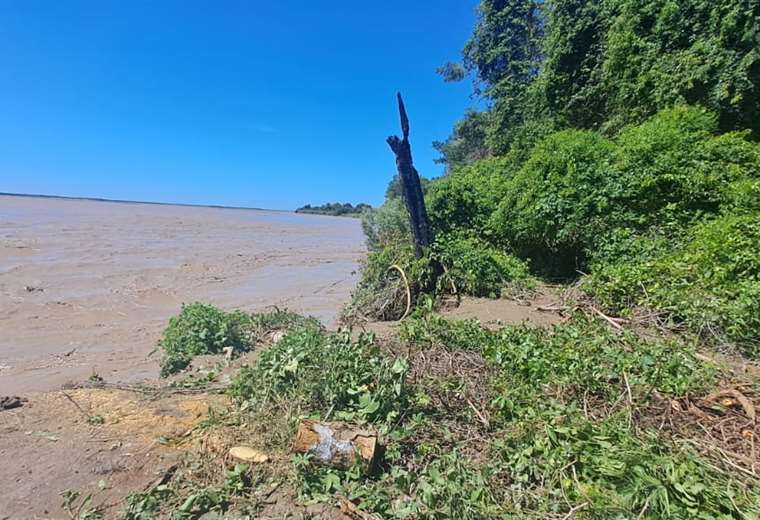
{"x":253,"y":103}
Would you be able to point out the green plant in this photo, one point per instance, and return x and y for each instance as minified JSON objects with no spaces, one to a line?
{"x":711,"y":282}
{"x":556,"y":204}
{"x":608,"y":470}
{"x":465,"y":198}
{"x":96,"y":420}
{"x":204,"y":329}
{"x":479,"y":269}
{"x":77,"y":507}
{"x":381,"y":293}
{"x":146,"y":505}
{"x":387,"y":225}
{"x":325,"y":374}
{"x":200,"y":329}
{"x":583,"y":355}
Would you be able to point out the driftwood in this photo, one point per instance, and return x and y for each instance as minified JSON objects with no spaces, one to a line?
{"x":336,"y":444}
{"x":732,"y":398}
{"x":410,"y":184}
{"x":349,"y":509}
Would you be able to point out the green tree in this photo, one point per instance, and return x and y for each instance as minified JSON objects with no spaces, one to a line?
{"x":604,"y":64}
{"x":467,"y":143}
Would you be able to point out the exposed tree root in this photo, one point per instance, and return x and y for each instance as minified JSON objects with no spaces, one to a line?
{"x":408,"y":290}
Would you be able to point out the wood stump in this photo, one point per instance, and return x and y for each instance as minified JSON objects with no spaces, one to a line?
{"x":336,"y":444}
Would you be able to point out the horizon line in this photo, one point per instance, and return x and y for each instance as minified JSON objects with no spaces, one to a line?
{"x":127,"y":201}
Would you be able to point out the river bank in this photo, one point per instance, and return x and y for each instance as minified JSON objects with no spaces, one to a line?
{"x":87,"y":286}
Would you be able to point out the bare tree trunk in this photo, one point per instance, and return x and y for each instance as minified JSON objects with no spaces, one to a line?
{"x":410,"y":184}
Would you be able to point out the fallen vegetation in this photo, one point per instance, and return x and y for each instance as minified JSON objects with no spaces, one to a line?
{"x":517,"y":421}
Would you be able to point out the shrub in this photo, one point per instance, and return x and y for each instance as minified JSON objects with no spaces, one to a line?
{"x":200,"y":329}
{"x":553,"y":209}
{"x":617,"y":473}
{"x":326,"y":374}
{"x":479,"y":269}
{"x":381,"y":294}
{"x":672,"y":170}
{"x":743,"y":197}
{"x":712,"y":282}
{"x":577,"y":188}
{"x":387,"y":225}
{"x":204,"y":329}
{"x":585,"y":355}
{"x":465,"y":199}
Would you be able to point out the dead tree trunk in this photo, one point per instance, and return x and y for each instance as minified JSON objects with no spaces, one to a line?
{"x":410,"y":184}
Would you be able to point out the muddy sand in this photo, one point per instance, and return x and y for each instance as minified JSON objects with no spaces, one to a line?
{"x":87,"y":286}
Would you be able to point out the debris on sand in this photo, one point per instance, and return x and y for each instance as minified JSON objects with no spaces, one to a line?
{"x":248,"y":455}
{"x":8,"y":402}
{"x":336,"y":444}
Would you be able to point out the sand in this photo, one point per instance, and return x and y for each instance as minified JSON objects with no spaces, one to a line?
{"x":87,"y":286}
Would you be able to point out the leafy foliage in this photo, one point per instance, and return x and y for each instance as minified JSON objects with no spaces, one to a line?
{"x":381,"y":293}
{"x":479,"y":269}
{"x":466,"y":198}
{"x":387,"y":225}
{"x":200,"y":329}
{"x":607,"y":64}
{"x":542,"y":455}
{"x":204,"y":329}
{"x":467,"y":143}
{"x":553,"y":208}
{"x":325,"y":374}
{"x":712,"y":282}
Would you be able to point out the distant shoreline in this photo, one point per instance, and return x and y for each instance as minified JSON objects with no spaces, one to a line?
{"x":124,"y":201}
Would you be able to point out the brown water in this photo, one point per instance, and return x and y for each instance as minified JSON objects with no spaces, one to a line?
{"x":87,"y":286}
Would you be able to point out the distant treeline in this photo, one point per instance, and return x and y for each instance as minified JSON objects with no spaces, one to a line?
{"x":335,"y":208}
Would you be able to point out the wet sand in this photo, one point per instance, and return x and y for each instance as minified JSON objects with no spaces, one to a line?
{"x":87,"y":286}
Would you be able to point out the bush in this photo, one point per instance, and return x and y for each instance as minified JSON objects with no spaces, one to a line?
{"x":553,"y":441}
{"x":387,"y":225}
{"x":326,"y":374}
{"x":466,"y":198}
{"x":578,"y":189}
{"x":605,"y":464}
{"x":380,"y":293}
{"x":204,"y":329}
{"x":712,"y":282}
{"x":673,"y":171}
{"x":743,"y":197}
{"x":200,"y":329}
{"x":479,"y":269}
{"x":556,"y":205}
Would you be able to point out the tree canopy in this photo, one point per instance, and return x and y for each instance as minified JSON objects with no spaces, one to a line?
{"x":548,"y":65}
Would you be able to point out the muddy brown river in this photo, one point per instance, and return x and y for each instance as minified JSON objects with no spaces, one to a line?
{"x":87,"y":286}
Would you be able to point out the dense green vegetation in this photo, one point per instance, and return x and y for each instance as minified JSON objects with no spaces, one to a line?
{"x":663,"y":215}
{"x":513,"y":422}
{"x":201,"y":329}
{"x":618,"y":155}
{"x":618,"y":142}
{"x":603,"y":65}
{"x":335,"y":209}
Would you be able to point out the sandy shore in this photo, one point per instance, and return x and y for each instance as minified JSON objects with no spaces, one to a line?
{"x":88,"y":286}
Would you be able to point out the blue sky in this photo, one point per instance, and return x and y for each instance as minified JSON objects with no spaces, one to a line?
{"x":253,"y":103}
